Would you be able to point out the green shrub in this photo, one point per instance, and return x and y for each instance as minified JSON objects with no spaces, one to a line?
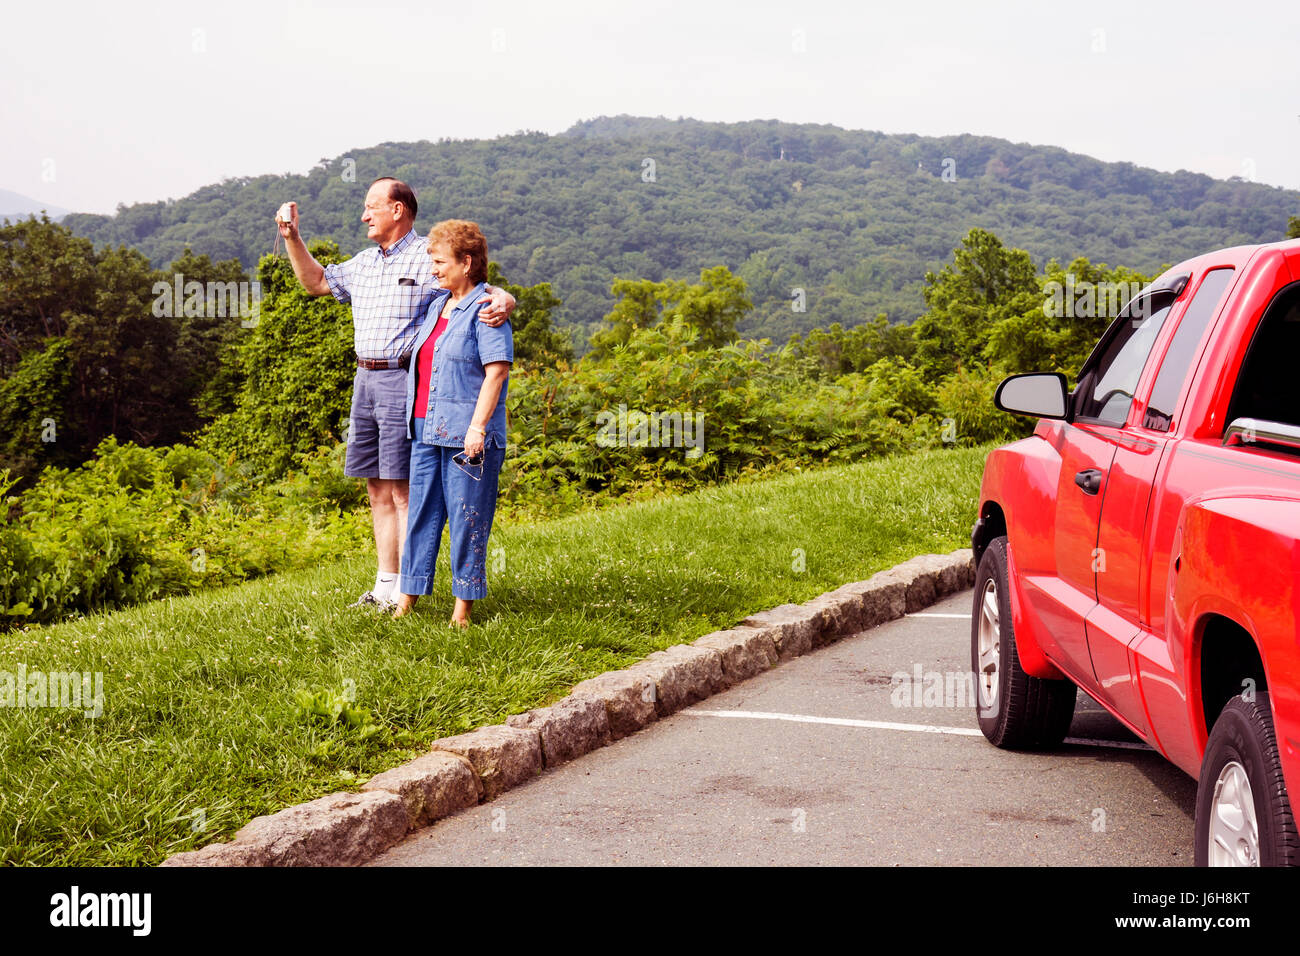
{"x":134,"y":524}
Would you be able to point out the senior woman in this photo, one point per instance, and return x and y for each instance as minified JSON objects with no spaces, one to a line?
{"x":456,"y":414}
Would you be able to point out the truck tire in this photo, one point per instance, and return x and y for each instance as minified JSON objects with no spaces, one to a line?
{"x":1243,"y":814}
{"x":1015,"y":711}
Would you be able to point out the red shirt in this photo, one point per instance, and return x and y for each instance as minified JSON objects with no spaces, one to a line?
{"x":424,"y":368}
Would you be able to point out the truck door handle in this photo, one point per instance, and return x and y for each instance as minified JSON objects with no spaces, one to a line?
{"x":1089,"y":480}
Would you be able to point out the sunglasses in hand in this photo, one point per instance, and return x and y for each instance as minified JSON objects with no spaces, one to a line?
{"x":472,"y":466}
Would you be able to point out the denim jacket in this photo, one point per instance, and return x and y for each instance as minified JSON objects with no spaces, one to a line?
{"x":459,"y":356}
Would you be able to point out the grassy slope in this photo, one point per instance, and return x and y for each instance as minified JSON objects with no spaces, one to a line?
{"x":200,"y":730}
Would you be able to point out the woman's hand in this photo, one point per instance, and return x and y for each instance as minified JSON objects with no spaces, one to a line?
{"x":494,"y":378}
{"x":473,"y":441}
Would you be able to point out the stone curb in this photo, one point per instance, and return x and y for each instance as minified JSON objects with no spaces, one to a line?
{"x":348,"y":829}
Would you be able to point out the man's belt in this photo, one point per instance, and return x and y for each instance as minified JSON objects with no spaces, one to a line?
{"x":374,"y":364}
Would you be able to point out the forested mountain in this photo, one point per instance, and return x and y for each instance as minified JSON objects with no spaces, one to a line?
{"x":854,"y":219}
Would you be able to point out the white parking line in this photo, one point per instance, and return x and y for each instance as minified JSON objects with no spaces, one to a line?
{"x":888,"y":725}
{"x":959,"y":617}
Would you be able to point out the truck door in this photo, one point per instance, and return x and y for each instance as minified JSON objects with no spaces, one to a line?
{"x":1070,"y":592}
{"x":1101,"y":404}
{"x":1124,"y":566}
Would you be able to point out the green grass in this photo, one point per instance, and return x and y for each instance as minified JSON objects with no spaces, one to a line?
{"x":201,"y":728}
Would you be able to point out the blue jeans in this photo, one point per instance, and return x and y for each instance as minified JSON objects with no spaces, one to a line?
{"x":442,"y":494}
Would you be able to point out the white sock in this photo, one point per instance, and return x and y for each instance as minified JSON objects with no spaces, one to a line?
{"x":386,"y":585}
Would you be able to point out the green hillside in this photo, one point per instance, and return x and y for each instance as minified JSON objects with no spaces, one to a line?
{"x":853,"y":218}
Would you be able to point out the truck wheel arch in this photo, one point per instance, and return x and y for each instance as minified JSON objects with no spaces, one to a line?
{"x":1227,"y":658}
{"x":992,"y":524}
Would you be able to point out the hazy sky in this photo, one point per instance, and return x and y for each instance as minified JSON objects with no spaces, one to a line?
{"x":106,"y":103}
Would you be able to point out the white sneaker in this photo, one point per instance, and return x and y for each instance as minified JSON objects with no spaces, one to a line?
{"x":369,"y":599}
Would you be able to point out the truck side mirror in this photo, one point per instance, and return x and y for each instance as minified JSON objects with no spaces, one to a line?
{"x":1041,"y":394}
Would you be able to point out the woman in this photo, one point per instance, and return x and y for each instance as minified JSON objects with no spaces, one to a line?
{"x":456,"y":414}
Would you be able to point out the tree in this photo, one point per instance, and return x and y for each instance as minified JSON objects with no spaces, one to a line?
{"x":205,"y":341}
{"x":1293,"y":227}
{"x":1057,"y":332}
{"x":46,"y":273}
{"x":295,"y":370}
{"x":573,"y":210}
{"x":536,"y":342}
{"x":32,"y":401}
{"x":639,"y":305}
{"x":984,"y":283}
{"x":124,"y":382}
{"x":86,"y":352}
{"x":711,"y":307}
{"x":838,"y":351}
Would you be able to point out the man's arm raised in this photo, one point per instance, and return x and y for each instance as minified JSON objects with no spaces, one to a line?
{"x":309,"y":272}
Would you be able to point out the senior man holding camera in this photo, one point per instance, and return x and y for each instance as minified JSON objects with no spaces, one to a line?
{"x":390,"y":289}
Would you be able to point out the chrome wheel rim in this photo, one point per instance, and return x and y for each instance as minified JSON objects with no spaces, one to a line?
{"x":1234,"y":833}
{"x":988,"y":647}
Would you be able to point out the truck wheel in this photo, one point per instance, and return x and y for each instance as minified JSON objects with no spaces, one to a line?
{"x":1015,"y":711}
{"x":1243,"y":815}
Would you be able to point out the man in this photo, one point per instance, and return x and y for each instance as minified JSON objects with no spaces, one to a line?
{"x":389,"y":289}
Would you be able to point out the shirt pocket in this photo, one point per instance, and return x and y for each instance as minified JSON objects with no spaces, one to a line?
{"x":457,"y":345}
{"x":409,"y":293}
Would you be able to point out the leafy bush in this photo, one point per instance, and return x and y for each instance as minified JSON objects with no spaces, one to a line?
{"x":967,"y":399}
{"x":134,"y":524}
{"x":574,"y":430}
{"x":295,"y":368}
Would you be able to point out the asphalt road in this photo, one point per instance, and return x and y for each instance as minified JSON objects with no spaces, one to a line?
{"x":834,"y":759}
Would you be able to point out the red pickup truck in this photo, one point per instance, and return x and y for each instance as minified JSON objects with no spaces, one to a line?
{"x":1144,"y":545}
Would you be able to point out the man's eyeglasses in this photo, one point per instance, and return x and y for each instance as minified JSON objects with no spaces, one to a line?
{"x":471,"y":466}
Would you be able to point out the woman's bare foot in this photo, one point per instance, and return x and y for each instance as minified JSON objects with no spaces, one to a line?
{"x":460,"y":616}
{"x":405,"y":604}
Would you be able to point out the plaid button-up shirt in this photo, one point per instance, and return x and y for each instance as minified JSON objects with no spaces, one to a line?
{"x":390,"y":294}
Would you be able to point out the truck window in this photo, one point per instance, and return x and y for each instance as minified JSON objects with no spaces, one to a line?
{"x":1184,"y":347}
{"x":1266,"y":386}
{"x":1105,"y":391}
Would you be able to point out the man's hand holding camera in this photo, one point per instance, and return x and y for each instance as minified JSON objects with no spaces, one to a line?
{"x":287,"y":219}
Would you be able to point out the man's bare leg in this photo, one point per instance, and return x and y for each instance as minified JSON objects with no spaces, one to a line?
{"x":383,"y":516}
{"x":388,"y":505}
{"x":401,"y":499}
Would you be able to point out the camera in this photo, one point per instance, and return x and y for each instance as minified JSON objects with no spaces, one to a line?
{"x":286,"y":213}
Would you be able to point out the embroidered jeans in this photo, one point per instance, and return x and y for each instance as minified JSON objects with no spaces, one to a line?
{"x":443,"y":494}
